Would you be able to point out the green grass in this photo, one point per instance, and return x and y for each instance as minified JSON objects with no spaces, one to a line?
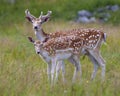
{"x":62,"y":9}
{"x":23,"y":72}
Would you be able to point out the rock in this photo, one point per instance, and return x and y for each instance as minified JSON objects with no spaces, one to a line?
{"x":83,"y":13}
{"x":85,"y":16}
{"x":101,"y":14}
{"x":86,"y":19}
{"x":113,"y":8}
{"x":99,"y":10}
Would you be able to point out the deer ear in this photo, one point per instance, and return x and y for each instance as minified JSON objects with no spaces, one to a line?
{"x":46,"y":19}
{"x":28,"y":18}
{"x":30,"y":39}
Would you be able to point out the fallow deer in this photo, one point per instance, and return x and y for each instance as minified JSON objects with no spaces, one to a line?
{"x":92,"y":38}
{"x":42,"y":36}
{"x":59,"y":49}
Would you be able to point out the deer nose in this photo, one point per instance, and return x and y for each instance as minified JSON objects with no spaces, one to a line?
{"x":35,"y":27}
{"x":38,"y":52}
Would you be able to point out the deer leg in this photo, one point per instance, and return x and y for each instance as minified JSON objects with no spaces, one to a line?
{"x":63,"y":71}
{"x":76,"y":62}
{"x":103,"y":66}
{"x":53,"y":70}
{"x":93,"y":60}
{"x":100,"y":61}
{"x":60,"y":65}
{"x":95,"y":63}
{"x":48,"y":70}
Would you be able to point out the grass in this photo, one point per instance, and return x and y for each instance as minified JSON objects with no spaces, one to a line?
{"x":65,"y":9}
{"x":23,"y":73}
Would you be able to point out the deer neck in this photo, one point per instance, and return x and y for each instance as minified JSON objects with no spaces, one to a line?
{"x":45,"y":55}
{"x":40,"y":34}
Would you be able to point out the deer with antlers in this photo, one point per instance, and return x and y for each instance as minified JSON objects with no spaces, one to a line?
{"x":92,"y":39}
{"x":42,"y":36}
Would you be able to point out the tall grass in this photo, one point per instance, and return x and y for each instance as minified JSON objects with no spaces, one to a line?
{"x":23,"y":73}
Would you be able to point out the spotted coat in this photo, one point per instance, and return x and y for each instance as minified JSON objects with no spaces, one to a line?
{"x":74,"y":43}
{"x":90,"y":36}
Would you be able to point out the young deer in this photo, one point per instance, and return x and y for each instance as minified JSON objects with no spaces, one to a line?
{"x":59,"y":49}
{"x":92,"y":39}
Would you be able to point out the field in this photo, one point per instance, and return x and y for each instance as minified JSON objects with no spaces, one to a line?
{"x":23,"y":72}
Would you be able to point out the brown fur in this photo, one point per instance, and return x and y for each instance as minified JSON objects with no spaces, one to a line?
{"x":62,"y":43}
{"x":90,"y":36}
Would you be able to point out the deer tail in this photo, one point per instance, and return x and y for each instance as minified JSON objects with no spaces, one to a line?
{"x":104,"y":37}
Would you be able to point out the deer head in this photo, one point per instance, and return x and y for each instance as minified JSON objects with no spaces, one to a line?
{"x":37,"y":45}
{"x":37,"y":22}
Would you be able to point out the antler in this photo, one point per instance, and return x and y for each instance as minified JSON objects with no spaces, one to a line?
{"x":29,"y":16}
{"x":27,"y":12}
{"x":46,"y":17}
{"x":41,"y":15}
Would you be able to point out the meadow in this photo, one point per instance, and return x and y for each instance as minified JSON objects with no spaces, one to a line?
{"x":23,"y":72}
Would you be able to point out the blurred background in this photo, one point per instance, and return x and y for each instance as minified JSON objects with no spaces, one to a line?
{"x":76,"y":10}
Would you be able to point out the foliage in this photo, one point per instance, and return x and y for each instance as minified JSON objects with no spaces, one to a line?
{"x":62,"y":9}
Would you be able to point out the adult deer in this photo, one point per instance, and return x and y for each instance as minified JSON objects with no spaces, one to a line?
{"x":42,"y":36}
{"x":59,"y":49}
{"x":92,"y":39}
